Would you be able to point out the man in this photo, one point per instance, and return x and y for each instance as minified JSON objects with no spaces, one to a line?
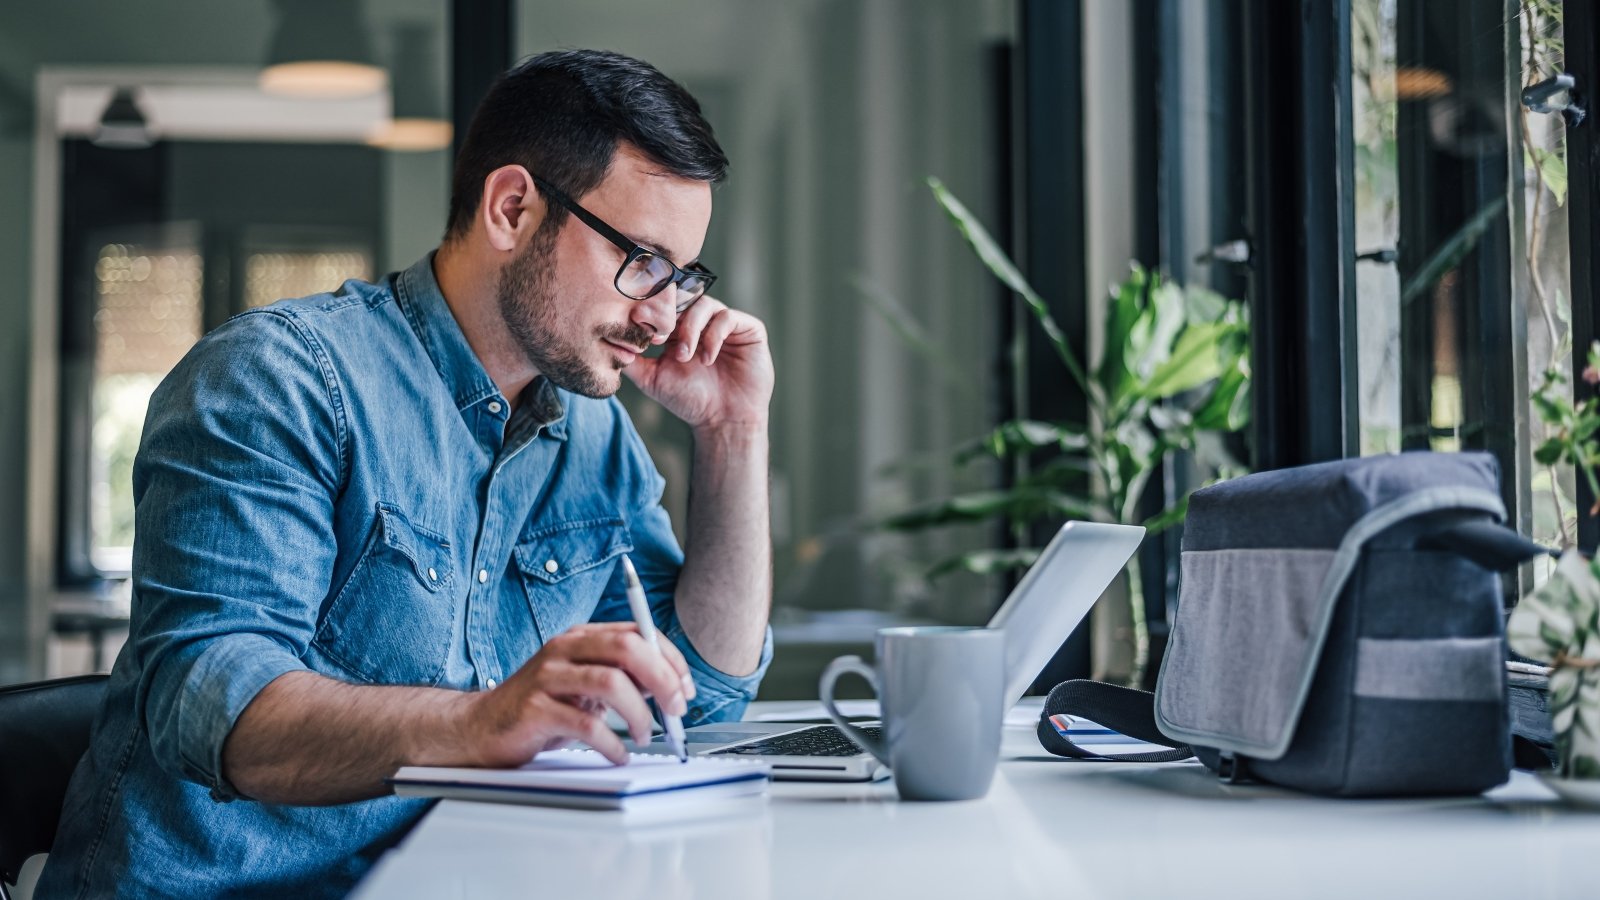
{"x":383,"y":527}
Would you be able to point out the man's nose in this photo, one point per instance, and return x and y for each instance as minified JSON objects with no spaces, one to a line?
{"x":658,"y":313}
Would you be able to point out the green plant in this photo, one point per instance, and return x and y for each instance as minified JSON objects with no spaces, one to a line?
{"x":1175,"y":367}
{"x":1571,"y":424}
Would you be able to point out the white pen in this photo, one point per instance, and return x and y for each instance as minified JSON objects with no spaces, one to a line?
{"x":647,"y":627}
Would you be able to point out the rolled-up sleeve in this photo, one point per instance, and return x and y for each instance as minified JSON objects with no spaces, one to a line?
{"x":234,"y":486}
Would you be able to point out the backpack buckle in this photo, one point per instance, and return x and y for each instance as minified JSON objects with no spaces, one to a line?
{"x":1232,"y":769}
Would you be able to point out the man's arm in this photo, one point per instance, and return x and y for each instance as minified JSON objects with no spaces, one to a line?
{"x":310,"y":740}
{"x":725,"y":589}
{"x":234,"y":511}
{"x":716,"y":375}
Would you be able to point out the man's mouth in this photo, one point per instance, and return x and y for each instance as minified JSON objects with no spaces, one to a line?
{"x":630,"y":351}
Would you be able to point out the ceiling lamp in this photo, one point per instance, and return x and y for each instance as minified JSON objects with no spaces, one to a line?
{"x":1419,"y":83}
{"x":321,"y":49}
{"x":419,"y":121}
{"x":123,"y":125}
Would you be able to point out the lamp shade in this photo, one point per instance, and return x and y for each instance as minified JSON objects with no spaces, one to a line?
{"x":123,"y":124}
{"x":419,"y":121}
{"x":321,"y":48}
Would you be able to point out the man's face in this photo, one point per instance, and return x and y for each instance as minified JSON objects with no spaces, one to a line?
{"x":558,"y":297}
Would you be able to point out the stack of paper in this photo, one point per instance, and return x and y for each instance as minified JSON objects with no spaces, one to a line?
{"x":583,"y":779}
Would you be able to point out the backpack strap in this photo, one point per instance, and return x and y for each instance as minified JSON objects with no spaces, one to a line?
{"x":1489,"y":544}
{"x":1123,"y":710}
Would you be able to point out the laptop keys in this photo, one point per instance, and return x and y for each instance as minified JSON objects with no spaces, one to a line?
{"x":822,"y":740}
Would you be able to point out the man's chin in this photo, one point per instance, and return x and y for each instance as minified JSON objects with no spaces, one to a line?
{"x":596,"y":384}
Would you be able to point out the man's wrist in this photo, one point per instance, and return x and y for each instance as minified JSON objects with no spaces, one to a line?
{"x":445,"y":737}
{"x":731,"y":433}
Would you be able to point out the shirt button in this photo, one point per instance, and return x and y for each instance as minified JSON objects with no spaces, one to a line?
{"x":551,"y":566}
{"x":432,"y":575}
{"x":494,"y":406}
{"x":483,"y":575}
{"x":490,"y":684}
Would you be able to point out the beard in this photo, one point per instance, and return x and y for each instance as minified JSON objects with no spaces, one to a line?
{"x":527,"y":296}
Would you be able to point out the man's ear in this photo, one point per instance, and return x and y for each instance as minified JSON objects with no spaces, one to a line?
{"x":511,"y":207}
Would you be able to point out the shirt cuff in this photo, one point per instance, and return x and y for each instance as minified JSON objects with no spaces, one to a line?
{"x":719,"y":697}
{"x":219,"y":685}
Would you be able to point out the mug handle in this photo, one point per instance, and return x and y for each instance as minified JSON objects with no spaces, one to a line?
{"x":843,"y":666}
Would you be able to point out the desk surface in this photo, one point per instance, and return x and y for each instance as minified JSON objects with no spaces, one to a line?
{"x":1049,"y":828}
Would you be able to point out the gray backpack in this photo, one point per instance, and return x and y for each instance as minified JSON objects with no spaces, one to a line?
{"x":1340,"y":630}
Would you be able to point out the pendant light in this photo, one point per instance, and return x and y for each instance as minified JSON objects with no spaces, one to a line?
{"x":419,"y":122}
{"x":123,"y":125}
{"x":321,"y":49}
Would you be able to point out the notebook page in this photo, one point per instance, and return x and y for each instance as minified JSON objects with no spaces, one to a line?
{"x":588,"y":771}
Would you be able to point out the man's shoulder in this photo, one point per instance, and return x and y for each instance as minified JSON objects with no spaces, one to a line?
{"x":360,"y":317}
{"x":355,"y":306}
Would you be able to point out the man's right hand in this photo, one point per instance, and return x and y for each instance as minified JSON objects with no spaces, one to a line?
{"x":562,"y":693}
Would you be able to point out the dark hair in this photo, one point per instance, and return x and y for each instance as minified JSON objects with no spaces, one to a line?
{"x":561,"y":114}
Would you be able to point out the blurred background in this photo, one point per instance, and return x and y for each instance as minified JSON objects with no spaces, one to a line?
{"x":1362,"y":174}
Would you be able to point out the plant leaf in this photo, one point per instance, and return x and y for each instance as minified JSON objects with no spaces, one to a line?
{"x":1022,"y":436}
{"x":1194,"y":361}
{"x":987,"y":562}
{"x":1167,"y":518}
{"x":1019,"y":504}
{"x":1452,"y":251}
{"x":1127,"y":301}
{"x":1549,"y":452}
{"x":995,"y":259}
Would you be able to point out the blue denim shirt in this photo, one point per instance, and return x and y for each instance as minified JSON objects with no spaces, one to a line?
{"x":334,"y":484}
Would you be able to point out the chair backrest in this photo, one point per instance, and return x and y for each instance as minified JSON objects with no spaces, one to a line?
{"x":44,"y":731}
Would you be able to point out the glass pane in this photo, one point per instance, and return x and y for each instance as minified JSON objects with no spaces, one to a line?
{"x":1545,"y":256}
{"x":1467,"y":193}
{"x":270,"y":277}
{"x":147,"y":315}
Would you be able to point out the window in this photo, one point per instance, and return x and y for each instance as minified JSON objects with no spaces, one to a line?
{"x":147,"y":314}
{"x":1463,"y":289}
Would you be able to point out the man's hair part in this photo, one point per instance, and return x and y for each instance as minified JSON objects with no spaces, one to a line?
{"x":561,"y":116}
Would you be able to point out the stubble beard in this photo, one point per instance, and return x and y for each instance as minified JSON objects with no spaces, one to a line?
{"x":526,"y":294}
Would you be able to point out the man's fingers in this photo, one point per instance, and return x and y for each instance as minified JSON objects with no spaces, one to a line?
{"x":625,"y":649}
{"x":679,"y":665}
{"x":691,"y":324}
{"x":716,"y":334}
{"x":605,"y":686}
{"x":591,"y":729}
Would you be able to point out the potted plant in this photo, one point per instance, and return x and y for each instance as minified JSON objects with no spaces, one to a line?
{"x":1174,"y":375}
{"x":1559,"y":622}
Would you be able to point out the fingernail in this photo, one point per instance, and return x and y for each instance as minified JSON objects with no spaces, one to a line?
{"x":688,"y":687}
{"x":684,"y":352}
{"x":678,"y":706}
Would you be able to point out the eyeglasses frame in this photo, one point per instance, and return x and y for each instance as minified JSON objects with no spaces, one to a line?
{"x":631,"y":248}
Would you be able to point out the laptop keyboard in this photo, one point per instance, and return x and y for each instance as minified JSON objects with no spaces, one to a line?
{"x":821,"y":740}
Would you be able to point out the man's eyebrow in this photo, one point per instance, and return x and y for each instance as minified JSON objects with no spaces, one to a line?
{"x":661,"y":249}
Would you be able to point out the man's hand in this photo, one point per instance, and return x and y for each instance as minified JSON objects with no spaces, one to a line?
{"x":562,"y":693}
{"x":716,"y":370}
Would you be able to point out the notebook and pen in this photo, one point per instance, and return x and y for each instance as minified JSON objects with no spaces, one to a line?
{"x":583,"y":779}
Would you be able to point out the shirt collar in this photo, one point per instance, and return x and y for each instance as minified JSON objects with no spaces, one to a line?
{"x":417,"y":292}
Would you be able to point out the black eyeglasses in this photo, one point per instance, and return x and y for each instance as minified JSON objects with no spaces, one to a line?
{"x":644,"y":273}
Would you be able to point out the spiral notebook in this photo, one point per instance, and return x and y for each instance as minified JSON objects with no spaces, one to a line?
{"x":583,"y":779}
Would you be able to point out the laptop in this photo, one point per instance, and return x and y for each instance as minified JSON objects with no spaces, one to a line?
{"x":1047,"y":604}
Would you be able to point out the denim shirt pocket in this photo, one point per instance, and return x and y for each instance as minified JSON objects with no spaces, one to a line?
{"x":565,"y":569}
{"x":392,"y":620}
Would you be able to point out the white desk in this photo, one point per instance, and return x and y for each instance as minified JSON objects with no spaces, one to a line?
{"x":1049,"y":828}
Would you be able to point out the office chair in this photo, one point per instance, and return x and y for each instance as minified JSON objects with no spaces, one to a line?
{"x":44,"y":731}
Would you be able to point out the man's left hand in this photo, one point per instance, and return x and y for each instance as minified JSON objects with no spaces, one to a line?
{"x":715,"y":371}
